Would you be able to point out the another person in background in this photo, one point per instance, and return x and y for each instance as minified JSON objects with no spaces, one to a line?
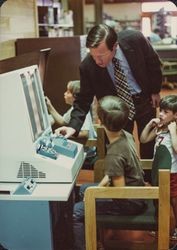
{"x":87,"y":130}
{"x":155,"y":36}
{"x":122,"y":167}
{"x":141,"y":67}
{"x":164,"y":129}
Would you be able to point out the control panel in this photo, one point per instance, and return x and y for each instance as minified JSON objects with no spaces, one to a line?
{"x":26,"y":187}
{"x":51,"y":146}
{"x":65,"y":147}
{"x":47,"y":151}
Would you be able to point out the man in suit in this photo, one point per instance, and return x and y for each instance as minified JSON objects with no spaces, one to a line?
{"x":142,"y":69}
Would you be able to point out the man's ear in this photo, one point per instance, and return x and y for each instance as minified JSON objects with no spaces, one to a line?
{"x":115,"y":46}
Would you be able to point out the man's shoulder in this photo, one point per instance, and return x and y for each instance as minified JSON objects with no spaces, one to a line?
{"x":88,"y":64}
{"x":130,"y":35}
{"x":87,"y":60}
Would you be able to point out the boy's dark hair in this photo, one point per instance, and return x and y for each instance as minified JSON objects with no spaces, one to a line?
{"x":113,"y":113}
{"x":156,"y":31}
{"x":99,"y":33}
{"x":169,"y":102}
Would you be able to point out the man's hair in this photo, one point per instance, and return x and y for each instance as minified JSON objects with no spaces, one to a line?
{"x":113,"y":113}
{"x":100,"y":33}
{"x":74,"y":87}
{"x":169,"y":102}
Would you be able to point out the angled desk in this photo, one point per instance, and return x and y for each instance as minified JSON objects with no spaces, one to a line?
{"x":38,"y":221}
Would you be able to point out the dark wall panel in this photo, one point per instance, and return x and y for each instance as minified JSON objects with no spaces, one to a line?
{"x":62,"y":64}
{"x":27,"y":59}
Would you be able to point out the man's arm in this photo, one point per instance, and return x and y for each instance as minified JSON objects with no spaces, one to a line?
{"x":81,"y":104}
{"x":153,"y":66}
{"x":65,"y":131}
{"x":155,"y":99}
{"x":145,"y":63}
{"x":84,"y":99}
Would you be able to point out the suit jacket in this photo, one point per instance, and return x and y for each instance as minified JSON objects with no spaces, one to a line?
{"x":96,"y":81}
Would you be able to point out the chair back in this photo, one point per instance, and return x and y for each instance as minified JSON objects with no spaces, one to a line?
{"x":161,"y":192}
{"x":162,"y":160}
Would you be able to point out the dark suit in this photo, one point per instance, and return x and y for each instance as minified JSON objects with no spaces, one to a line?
{"x":96,"y":81}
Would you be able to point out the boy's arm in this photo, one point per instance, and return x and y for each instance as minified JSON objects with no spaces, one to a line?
{"x":173,"y":132}
{"x":149,"y":132}
{"x":104,"y":182}
{"x":56,"y":116}
{"x":118,"y":181}
{"x":83,"y":134}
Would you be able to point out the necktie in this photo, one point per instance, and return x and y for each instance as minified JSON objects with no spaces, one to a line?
{"x":122,"y":87}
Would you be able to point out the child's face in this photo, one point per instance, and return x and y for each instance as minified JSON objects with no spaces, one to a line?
{"x":68,"y":96}
{"x":166,"y":116}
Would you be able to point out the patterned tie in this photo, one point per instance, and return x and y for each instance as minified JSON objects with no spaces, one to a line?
{"x":122,"y":87}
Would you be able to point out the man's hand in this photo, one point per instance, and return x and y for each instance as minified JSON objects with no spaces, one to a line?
{"x":65,"y":131}
{"x":155,"y":98}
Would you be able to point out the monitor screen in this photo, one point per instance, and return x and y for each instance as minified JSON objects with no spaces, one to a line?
{"x":35,"y":102}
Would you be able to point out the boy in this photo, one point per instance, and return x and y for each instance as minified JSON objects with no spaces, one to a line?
{"x":73,"y":88}
{"x":164,"y":129}
{"x":87,"y":130}
{"x":122,"y":166}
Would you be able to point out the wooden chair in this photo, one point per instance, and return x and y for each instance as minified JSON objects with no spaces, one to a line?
{"x":87,"y":176}
{"x":144,"y":221}
{"x":98,"y":142}
{"x":169,"y":69}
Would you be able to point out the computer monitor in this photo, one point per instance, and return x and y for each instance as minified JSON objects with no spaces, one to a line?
{"x":28,"y":148}
{"x":35,"y":102}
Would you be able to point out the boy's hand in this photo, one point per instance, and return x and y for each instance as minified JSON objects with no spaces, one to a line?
{"x":155,"y":122}
{"x":47,"y":100}
{"x":48,"y":103}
